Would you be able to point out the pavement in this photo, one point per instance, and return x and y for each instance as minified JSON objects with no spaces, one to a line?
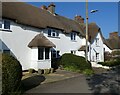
{"x":103,"y":81}
{"x":60,"y":81}
{"x":76,"y":84}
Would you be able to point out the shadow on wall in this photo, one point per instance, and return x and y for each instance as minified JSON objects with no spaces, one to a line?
{"x":32,"y":82}
{"x":5,"y":49}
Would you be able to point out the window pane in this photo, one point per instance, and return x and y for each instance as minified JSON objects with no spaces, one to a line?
{"x":0,"y":23}
{"x":74,"y":36}
{"x":72,"y":52}
{"x":58,"y":55}
{"x":47,"y":53}
{"x":6,"y":51}
{"x":53,"y":54}
{"x":49,"y":32}
{"x":71,"y":36}
{"x":6,"y":24}
{"x":53,"y":34}
{"x":40,"y":53}
{"x":57,"y":32}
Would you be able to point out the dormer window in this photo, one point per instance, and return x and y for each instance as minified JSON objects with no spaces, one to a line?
{"x":73,"y":36}
{"x":53,"y":33}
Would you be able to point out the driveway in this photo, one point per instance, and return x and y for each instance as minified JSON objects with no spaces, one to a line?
{"x":73,"y":85}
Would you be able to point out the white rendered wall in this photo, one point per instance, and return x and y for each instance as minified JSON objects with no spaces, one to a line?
{"x":107,"y":49}
{"x":64,"y":43}
{"x":17,"y":41}
{"x":99,"y":49}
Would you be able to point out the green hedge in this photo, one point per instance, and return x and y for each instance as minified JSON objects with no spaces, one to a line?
{"x":11,"y":75}
{"x":74,"y":63}
{"x":110,"y":63}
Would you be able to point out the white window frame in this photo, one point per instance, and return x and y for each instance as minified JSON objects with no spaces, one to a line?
{"x":97,"y":41}
{"x":73,"y":36}
{"x":56,"y":53}
{"x":3,"y":25}
{"x":97,"y":56}
{"x":73,"y":51}
{"x":54,"y":33}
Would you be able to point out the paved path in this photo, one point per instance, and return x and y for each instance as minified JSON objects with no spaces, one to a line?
{"x":73,"y":85}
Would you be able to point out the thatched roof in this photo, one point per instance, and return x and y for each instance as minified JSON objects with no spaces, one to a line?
{"x":40,"y":41}
{"x":82,"y":48}
{"x":24,"y":13}
{"x":70,"y":25}
{"x":114,"y":43}
{"x":29,"y":15}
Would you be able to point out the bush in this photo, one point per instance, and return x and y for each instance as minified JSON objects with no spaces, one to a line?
{"x":31,"y":71}
{"x":74,"y":63}
{"x":111,"y":63}
{"x":88,"y":72}
{"x":11,"y":75}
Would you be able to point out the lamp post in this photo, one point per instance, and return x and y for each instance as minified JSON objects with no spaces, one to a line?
{"x":86,"y":56}
{"x":92,"y":11}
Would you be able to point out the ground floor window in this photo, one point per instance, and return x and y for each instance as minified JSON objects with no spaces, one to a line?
{"x":40,"y":53}
{"x":47,"y":50}
{"x":55,"y":54}
{"x":73,"y":51}
{"x":97,"y":56}
{"x":6,"y":51}
{"x":43,"y":53}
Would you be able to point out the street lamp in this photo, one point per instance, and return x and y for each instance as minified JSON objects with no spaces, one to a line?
{"x":86,"y":56}
{"x":92,"y":11}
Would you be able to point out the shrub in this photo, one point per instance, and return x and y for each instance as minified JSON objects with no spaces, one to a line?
{"x":31,"y":71}
{"x":111,"y":63}
{"x":11,"y":75}
{"x":88,"y":72}
{"x":74,"y":63}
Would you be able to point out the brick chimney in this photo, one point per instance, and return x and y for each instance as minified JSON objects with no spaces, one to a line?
{"x":79,"y":19}
{"x":113,"y":35}
{"x":51,"y":8}
{"x":43,"y":7}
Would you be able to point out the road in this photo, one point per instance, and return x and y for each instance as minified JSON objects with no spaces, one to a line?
{"x":72,"y":85}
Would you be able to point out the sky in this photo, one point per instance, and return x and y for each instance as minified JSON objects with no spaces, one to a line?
{"x":106,"y":17}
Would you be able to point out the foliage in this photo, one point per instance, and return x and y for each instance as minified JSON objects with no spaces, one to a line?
{"x":108,"y":56}
{"x":115,"y":53}
{"x":72,"y":62}
{"x":31,"y":71}
{"x":88,"y":72}
{"x":11,"y":75}
{"x":111,"y":63}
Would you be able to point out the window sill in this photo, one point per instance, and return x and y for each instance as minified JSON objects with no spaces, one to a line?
{"x":6,"y":30}
{"x":97,"y":46}
{"x":43,"y":60}
{"x":73,"y":40}
{"x":54,"y":37}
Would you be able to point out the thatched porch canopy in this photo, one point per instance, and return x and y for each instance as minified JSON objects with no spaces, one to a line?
{"x":40,"y":41}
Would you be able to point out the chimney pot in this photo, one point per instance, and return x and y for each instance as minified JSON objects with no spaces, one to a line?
{"x":51,"y":8}
{"x":113,"y":35}
{"x":44,"y":7}
{"x":79,"y":19}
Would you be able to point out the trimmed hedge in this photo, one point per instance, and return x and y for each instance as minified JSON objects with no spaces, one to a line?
{"x":110,"y":63}
{"x":11,"y":75}
{"x":74,"y":63}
